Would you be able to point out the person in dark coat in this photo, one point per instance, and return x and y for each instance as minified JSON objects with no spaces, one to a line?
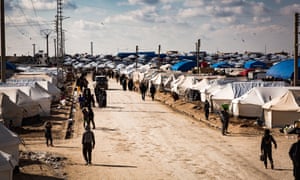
{"x":266,"y":148}
{"x":152,"y":91}
{"x":88,"y":144}
{"x":130,"y":84}
{"x":48,"y":133}
{"x":91,"y":117}
{"x":143,"y":89}
{"x":86,"y":121}
{"x":294,"y":154}
{"x":206,"y":109}
{"x":124,"y":83}
{"x":225,"y":120}
{"x":81,"y":100}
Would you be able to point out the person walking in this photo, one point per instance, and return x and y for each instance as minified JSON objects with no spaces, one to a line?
{"x":91,"y":117}
{"x":48,"y":133}
{"x":143,"y":89}
{"x":294,"y":154}
{"x":224,"y":119}
{"x":152,"y":91}
{"x":266,"y":148}
{"x":86,"y":121}
{"x":88,"y":144}
{"x":206,"y":109}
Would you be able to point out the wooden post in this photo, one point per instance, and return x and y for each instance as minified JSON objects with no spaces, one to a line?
{"x":296,"y":49}
{"x":3,"y":47}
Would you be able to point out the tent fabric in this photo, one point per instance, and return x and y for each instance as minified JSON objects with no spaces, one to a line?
{"x":255,"y":64}
{"x":250,"y":104}
{"x":10,"y":66}
{"x":237,"y":89}
{"x":283,"y":70}
{"x":282,"y":110}
{"x":10,"y":111}
{"x":9,"y":142}
{"x":222,"y":64}
{"x":287,"y":102}
{"x":47,"y":85}
{"x":183,"y":84}
{"x":184,"y":65}
{"x":37,"y":94}
{"x":7,"y":165}
{"x":30,"y":107}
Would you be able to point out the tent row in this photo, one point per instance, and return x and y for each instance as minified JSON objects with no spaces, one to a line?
{"x":9,"y":152}
{"x":25,"y":98}
{"x":273,"y":101}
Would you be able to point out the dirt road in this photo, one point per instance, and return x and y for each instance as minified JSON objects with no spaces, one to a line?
{"x":138,"y":139}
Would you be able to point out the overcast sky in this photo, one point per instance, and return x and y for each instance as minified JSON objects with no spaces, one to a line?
{"x":119,"y":25}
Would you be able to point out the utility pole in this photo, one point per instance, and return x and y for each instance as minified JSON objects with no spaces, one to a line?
{"x":297,"y":19}
{"x":197,"y":55}
{"x":3,"y":47}
{"x":47,"y":32}
{"x":136,"y":58}
{"x":55,"y":55}
{"x":159,"y":61}
{"x":33,"y":53}
{"x":92,"y":48}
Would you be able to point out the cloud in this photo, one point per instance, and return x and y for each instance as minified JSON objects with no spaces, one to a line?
{"x":146,"y":14}
{"x":193,"y":3}
{"x":134,"y":2}
{"x":88,"y":25}
{"x":207,"y":27}
{"x":46,"y":4}
{"x":8,"y":5}
{"x":290,"y":10}
{"x":190,"y":12}
{"x":277,"y":1}
{"x":259,"y":20}
{"x":259,"y":8}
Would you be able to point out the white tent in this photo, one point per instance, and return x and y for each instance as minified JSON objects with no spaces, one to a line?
{"x":10,"y":111}
{"x":31,"y":108}
{"x":7,"y":165}
{"x":200,"y":85}
{"x":250,"y":104}
{"x":51,"y":88}
{"x":37,"y":94}
{"x":237,"y":89}
{"x":282,"y":110}
{"x":9,"y":142}
{"x":175,"y":83}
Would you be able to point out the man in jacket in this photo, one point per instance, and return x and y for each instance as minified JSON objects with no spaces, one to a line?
{"x":88,"y":144}
{"x":294,"y":154}
{"x":266,"y":147}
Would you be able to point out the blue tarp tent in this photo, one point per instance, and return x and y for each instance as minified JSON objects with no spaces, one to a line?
{"x":184,"y":65}
{"x":10,"y":66}
{"x":255,"y":64}
{"x":222,"y":64}
{"x":283,"y":70}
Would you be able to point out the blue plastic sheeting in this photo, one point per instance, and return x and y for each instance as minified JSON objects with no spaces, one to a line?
{"x":283,"y":70}
{"x":187,"y":58}
{"x":126,"y":54}
{"x":222,"y":65}
{"x":184,"y":65}
{"x":10,"y":66}
{"x":255,"y":64}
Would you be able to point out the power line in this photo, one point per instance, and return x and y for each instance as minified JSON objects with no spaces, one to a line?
{"x":19,"y":30}
{"x":35,"y":14}
{"x":26,"y":18}
{"x":32,"y":24}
